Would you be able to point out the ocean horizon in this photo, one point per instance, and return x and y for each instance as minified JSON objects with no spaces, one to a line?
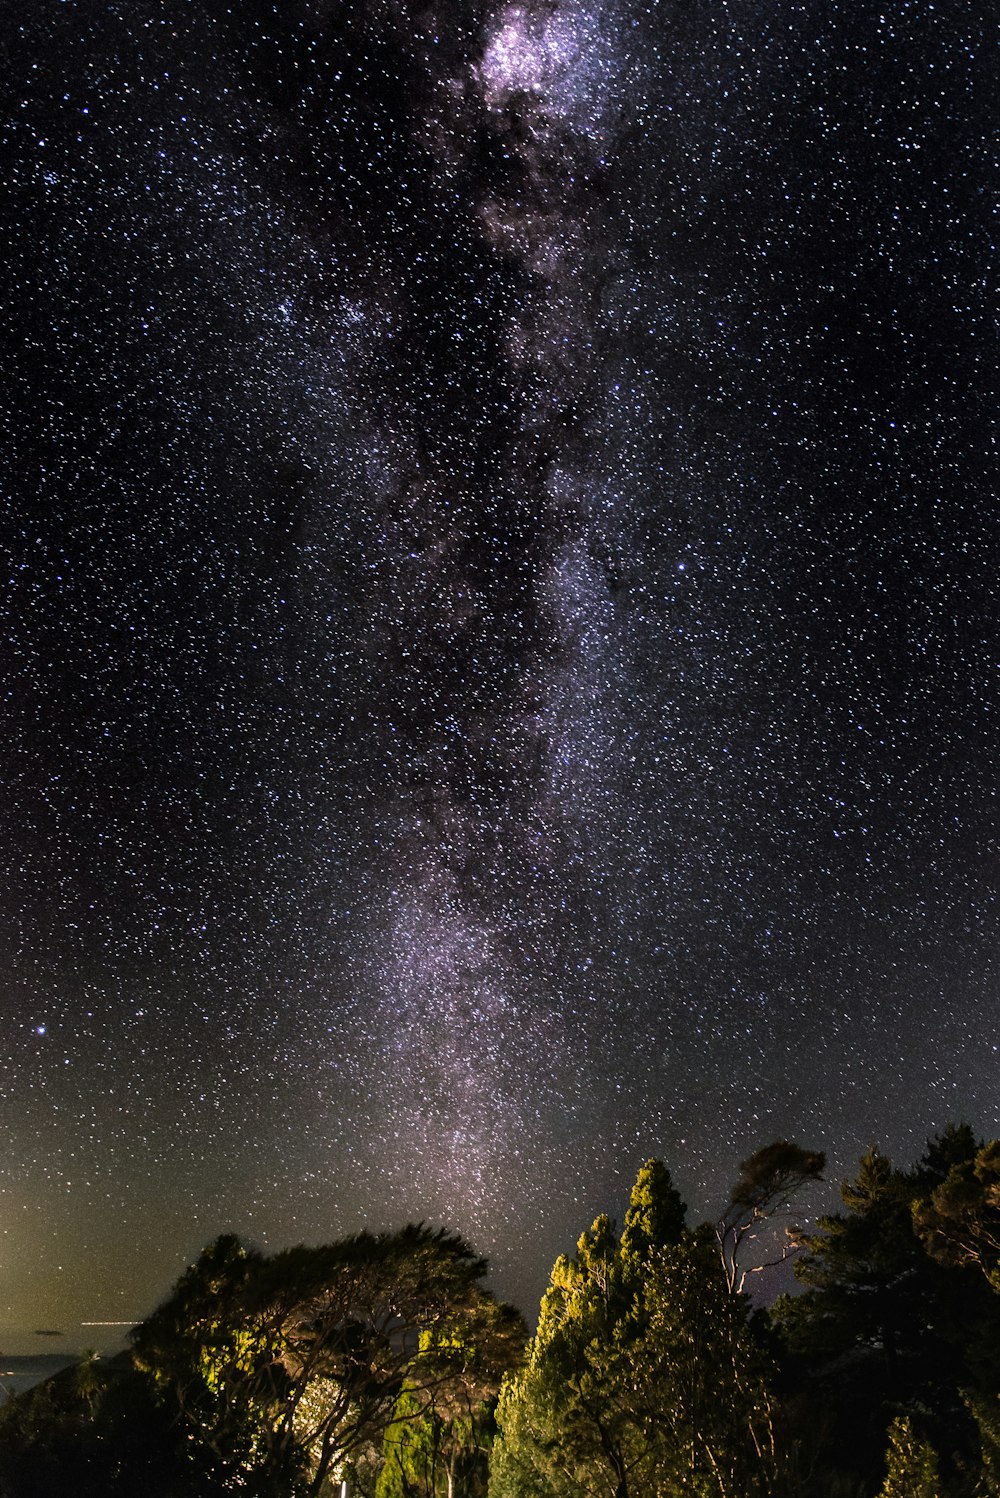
{"x":18,"y":1374}
{"x":68,"y":1343}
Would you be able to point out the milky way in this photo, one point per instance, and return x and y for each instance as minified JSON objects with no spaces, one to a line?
{"x":500,"y":649}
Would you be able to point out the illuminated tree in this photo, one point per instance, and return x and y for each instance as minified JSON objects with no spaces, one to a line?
{"x":642,"y":1380}
{"x":912,"y":1465}
{"x":700,"y":1384}
{"x":561,"y":1422}
{"x":286,"y":1369}
{"x":959,"y":1222}
{"x":441,"y":1433}
{"x":566,"y":1423}
{"x":208,"y":1350}
{"x":655,"y":1217}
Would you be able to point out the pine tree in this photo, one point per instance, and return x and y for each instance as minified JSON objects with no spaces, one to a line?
{"x":882,"y":1328}
{"x":561,"y":1431}
{"x":701,"y":1383}
{"x":912,"y":1465}
{"x":642,"y":1381}
{"x":565,"y":1426}
{"x":985,"y":1410}
{"x":655,"y":1216}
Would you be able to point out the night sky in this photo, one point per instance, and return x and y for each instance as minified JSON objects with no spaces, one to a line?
{"x":501,"y":614}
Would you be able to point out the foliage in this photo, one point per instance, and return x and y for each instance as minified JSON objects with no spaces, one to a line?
{"x":985,"y":1410}
{"x":560,"y":1422}
{"x":378,"y":1359}
{"x":655,"y":1217}
{"x":440,"y":1445}
{"x":285,"y":1369}
{"x":959,"y":1222}
{"x":426,"y":1456}
{"x":704,"y":1406}
{"x":642,"y":1378}
{"x":768,"y":1180}
{"x":412,"y":1451}
{"x":912,"y":1465}
{"x":207,"y":1352}
{"x":883,"y":1329}
{"x":93,"y":1431}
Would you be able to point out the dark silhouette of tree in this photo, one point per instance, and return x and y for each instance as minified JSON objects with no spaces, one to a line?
{"x":768,"y":1181}
{"x":882,"y":1329}
{"x":959,"y":1221}
{"x":93,"y":1431}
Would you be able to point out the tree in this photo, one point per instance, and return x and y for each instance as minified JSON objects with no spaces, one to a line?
{"x":912,"y":1464}
{"x":642,"y":1380}
{"x":287,"y":1369}
{"x":959,"y":1221}
{"x":985,"y":1410}
{"x":768,"y":1180}
{"x":655,"y":1217}
{"x":207,"y":1352}
{"x":559,"y":1420}
{"x":427,"y":1456}
{"x":565,"y":1423}
{"x":440,"y":1436}
{"x":882,"y":1329}
{"x":92,"y":1431}
{"x":415,"y":1453}
{"x":702,"y":1401}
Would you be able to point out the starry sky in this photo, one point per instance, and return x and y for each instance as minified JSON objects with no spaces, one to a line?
{"x":500,"y":653}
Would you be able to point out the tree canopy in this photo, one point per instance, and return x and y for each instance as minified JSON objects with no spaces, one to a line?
{"x":883,"y":1328}
{"x":642,"y":1378}
{"x":382,"y":1360}
{"x":768,"y":1181}
{"x":287,"y":1368}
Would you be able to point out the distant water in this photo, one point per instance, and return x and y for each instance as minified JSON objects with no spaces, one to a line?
{"x":19,"y":1374}
{"x":20,"y":1342}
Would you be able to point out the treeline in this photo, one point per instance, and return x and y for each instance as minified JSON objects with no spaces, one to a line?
{"x":382,"y":1362}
